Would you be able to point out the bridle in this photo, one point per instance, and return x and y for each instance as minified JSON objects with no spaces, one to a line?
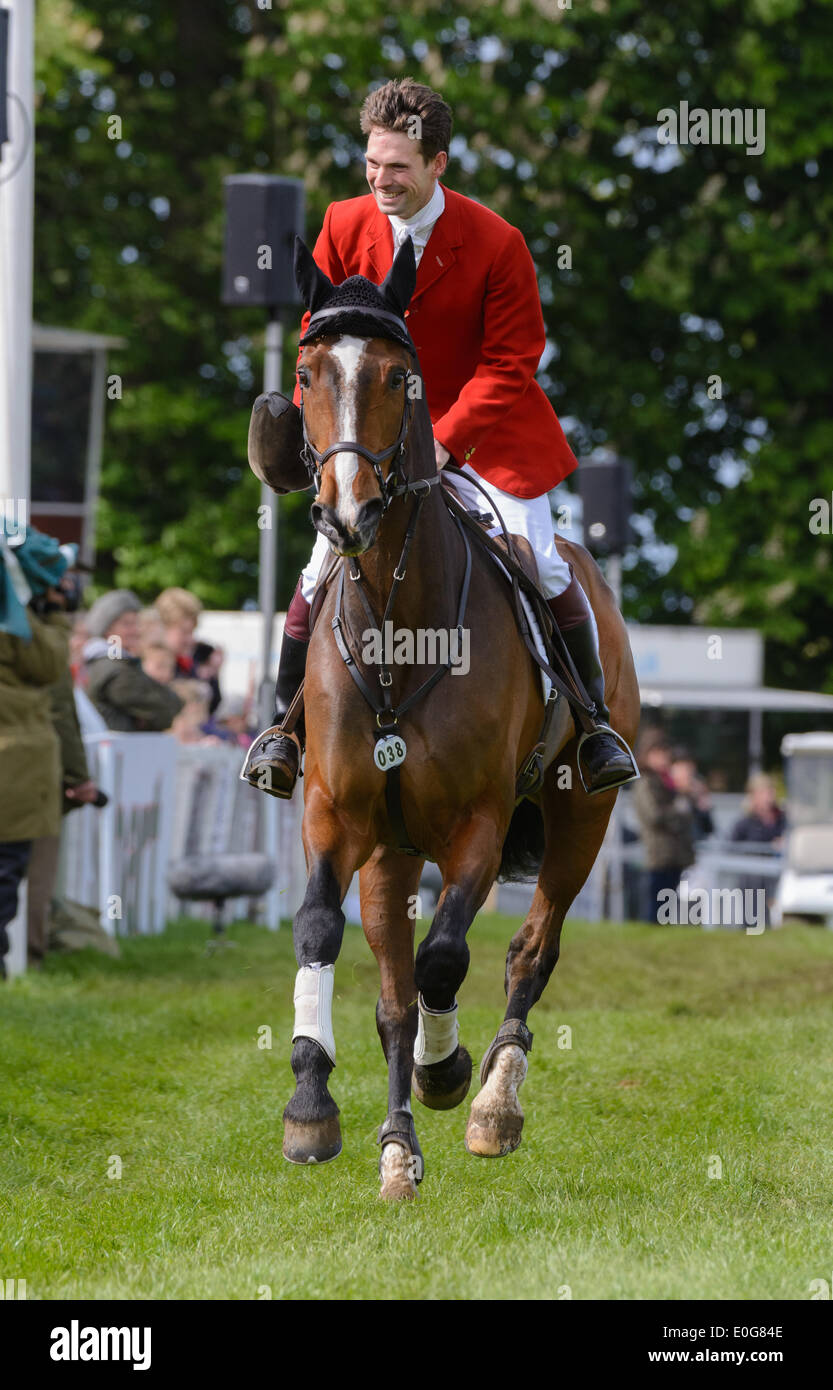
{"x":392,"y":485}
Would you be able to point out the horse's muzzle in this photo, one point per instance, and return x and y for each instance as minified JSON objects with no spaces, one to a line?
{"x":352,"y":540}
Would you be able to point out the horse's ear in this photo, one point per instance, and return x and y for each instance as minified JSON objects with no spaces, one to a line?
{"x":314,"y":286}
{"x":400,"y":281}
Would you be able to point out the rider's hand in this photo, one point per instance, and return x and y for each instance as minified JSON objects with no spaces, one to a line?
{"x":84,"y":791}
{"x":441,"y":454}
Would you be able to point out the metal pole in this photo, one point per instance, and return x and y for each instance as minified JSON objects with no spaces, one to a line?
{"x":17,"y":184}
{"x":756,"y":740}
{"x":17,"y":198}
{"x":613,"y":575}
{"x":616,"y":879}
{"x":95,"y":440}
{"x":268,"y":522}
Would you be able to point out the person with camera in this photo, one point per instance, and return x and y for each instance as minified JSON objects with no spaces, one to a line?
{"x":78,"y":788}
{"x":34,"y":654}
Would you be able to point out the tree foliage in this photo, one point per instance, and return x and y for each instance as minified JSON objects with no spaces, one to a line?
{"x":685,"y":266}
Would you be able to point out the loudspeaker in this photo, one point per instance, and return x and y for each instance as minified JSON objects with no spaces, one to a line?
{"x":264,"y":214}
{"x":604,"y":486}
{"x":4,"y":59}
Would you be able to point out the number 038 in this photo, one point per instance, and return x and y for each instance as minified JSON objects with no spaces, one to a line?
{"x":389,"y":752}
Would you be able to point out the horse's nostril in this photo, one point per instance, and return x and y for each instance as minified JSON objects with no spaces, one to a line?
{"x":369,"y":514}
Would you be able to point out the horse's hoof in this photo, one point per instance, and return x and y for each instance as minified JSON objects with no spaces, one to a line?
{"x":497,"y":1120}
{"x":397,"y":1170}
{"x":442,"y":1085}
{"x":316,"y":1141}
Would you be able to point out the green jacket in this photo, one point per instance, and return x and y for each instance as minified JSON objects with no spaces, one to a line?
{"x":65,"y":719}
{"x":666,"y":822}
{"x":30,"y":760}
{"x":127,"y":699}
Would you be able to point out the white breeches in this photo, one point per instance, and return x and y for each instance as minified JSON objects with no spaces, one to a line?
{"x":524,"y":516}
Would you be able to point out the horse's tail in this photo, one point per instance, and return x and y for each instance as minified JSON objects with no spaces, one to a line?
{"x":523,"y":848}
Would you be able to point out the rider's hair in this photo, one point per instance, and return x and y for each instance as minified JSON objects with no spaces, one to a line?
{"x":416,"y":110}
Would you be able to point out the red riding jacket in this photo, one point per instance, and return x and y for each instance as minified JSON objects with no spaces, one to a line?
{"x":479,"y":333}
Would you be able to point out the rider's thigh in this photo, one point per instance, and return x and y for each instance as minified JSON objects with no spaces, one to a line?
{"x":311,"y":571}
{"x":523,"y":516}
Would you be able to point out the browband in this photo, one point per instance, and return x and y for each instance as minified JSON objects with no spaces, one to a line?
{"x":356,"y":309}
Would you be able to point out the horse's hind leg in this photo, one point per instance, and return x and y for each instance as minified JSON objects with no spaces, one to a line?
{"x":575,"y":826}
{"x":389,"y":885}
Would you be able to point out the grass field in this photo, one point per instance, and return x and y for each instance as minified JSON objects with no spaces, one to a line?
{"x":688,"y":1047}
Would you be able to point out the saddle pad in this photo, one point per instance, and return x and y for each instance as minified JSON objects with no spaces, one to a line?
{"x":546,"y":683}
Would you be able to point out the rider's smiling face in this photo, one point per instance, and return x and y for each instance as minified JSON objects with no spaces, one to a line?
{"x":399,"y":178}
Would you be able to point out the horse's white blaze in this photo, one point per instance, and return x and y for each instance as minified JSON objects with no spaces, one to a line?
{"x":348,"y":352}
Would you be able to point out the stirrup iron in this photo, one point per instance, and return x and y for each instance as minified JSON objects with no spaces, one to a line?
{"x":605,"y":729}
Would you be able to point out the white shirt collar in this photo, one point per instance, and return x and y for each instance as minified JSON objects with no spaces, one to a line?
{"x":420,"y":226}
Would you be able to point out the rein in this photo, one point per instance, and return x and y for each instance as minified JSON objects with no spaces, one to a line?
{"x":390,"y":749}
{"x":388,"y":715}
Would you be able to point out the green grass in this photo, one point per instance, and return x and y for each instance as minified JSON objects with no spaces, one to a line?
{"x":685,"y":1044}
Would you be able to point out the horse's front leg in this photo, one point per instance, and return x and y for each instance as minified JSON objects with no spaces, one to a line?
{"x":312,"y":1133}
{"x":389,"y":882}
{"x":442,"y":1071}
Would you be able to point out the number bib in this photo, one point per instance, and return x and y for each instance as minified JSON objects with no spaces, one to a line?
{"x":389,"y":752}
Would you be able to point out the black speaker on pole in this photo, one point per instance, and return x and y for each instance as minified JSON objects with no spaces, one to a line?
{"x":4,"y":60}
{"x":604,"y":486}
{"x":264,"y":213}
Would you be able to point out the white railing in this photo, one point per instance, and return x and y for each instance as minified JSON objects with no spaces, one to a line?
{"x":167,"y":801}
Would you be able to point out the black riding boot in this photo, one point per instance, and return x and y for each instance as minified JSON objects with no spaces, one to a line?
{"x":274,"y":758}
{"x":606,"y":760}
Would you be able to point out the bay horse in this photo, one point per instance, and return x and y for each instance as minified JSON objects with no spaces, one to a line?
{"x":370,"y":446}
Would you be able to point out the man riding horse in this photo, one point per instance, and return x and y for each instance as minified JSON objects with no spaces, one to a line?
{"x":475,"y":319}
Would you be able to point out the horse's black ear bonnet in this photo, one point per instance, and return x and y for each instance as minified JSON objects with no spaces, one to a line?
{"x":357,"y":305}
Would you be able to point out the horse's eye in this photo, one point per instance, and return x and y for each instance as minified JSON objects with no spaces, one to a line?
{"x":396,"y":378}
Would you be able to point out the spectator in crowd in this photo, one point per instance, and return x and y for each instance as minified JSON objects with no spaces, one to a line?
{"x":159,"y":662}
{"x":151,"y":629}
{"x":127,"y":698}
{"x":665,"y":821}
{"x":78,"y":639}
{"x":763,"y":821}
{"x":34,"y":653}
{"x":179,"y":612}
{"x":77,"y":786}
{"x":231,"y":721}
{"x":191,"y":724}
{"x":688,"y":783}
{"x":760,"y":830}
